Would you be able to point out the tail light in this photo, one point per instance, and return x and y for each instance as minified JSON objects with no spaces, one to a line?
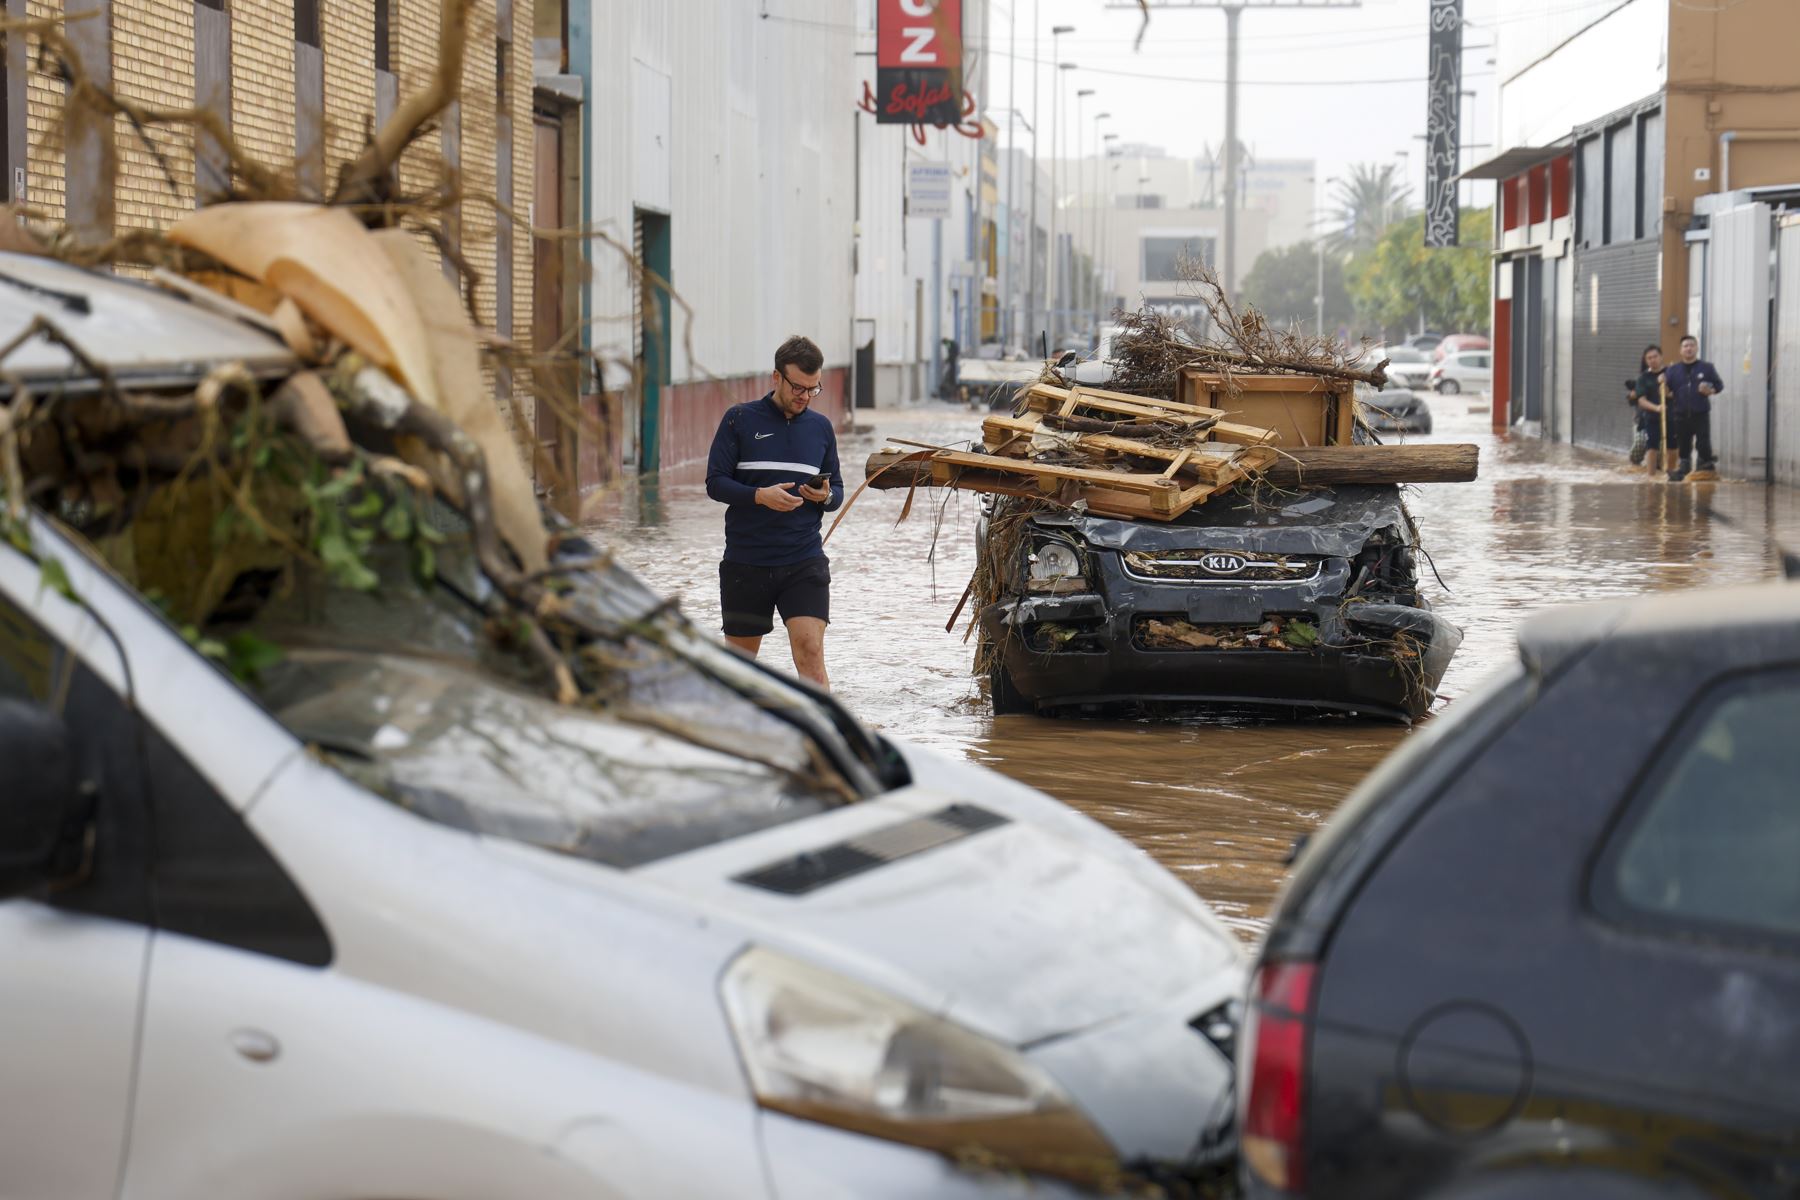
{"x":1274,"y":1103}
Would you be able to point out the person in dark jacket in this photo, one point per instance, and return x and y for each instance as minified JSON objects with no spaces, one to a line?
{"x":774,"y":465}
{"x":1692,"y":384}
{"x":1647,"y":399}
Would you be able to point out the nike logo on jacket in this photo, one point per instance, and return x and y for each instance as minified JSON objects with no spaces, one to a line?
{"x":757,"y":445}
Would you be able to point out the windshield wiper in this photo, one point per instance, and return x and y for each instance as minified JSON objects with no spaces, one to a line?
{"x":74,"y":302}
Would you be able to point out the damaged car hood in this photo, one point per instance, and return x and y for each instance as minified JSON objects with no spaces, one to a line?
{"x":1335,"y":522}
{"x":1037,"y":898}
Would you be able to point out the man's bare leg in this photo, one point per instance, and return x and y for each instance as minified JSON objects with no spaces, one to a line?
{"x":749,"y":645}
{"x":806,"y":635}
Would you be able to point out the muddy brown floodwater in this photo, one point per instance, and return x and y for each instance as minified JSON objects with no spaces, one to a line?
{"x":1219,"y":802}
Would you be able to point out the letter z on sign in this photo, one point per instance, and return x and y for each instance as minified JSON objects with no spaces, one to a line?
{"x":919,"y":33}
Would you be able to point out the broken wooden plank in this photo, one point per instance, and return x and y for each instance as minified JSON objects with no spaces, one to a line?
{"x":1427,"y":462}
{"x":1040,"y":400}
{"x":1004,"y":435}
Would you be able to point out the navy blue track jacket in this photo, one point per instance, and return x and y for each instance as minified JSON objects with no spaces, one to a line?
{"x":757,"y":445}
{"x":1683,"y":382}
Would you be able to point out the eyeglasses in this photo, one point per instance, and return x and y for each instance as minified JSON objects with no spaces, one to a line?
{"x":807,"y":392}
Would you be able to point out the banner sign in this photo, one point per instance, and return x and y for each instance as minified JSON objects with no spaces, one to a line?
{"x":928,"y":190}
{"x":918,"y":62}
{"x":1443,"y":124}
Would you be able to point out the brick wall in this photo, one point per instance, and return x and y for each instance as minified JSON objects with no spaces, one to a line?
{"x":153,"y":64}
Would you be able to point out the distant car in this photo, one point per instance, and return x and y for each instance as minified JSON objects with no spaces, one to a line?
{"x":1550,"y":949}
{"x":1425,"y":341}
{"x":1097,"y":370}
{"x":1464,"y":371}
{"x":1459,"y":341}
{"x":1409,"y":365}
{"x":1396,"y":408}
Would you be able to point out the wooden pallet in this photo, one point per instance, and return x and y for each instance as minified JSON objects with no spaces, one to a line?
{"x":1207,"y":462}
{"x":1092,"y":402}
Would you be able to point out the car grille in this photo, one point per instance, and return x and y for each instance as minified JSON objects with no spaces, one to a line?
{"x":1222,"y":566}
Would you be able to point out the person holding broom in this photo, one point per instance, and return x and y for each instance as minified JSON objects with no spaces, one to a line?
{"x":1652,"y":414}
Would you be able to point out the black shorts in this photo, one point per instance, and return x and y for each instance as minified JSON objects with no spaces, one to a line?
{"x":749,"y":596}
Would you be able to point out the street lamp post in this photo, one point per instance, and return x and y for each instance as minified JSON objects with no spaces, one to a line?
{"x":1054,"y":275}
{"x":1078,"y":292}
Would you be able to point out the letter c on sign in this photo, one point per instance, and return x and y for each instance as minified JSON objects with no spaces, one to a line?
{"x":918,"y":8}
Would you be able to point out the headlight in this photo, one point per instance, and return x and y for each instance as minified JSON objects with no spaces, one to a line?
{"x":1052,"y":563}
{"x":828,"y":1049}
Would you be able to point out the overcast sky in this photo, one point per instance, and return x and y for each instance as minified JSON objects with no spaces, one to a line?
{"x":1309,"y":78}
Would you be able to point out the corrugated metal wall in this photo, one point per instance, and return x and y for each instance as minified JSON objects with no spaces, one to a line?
{"x":1736,"y":338}
{"x":1784,"y":454}
{"x":753,"y":162}
{"x":1617,"y":301}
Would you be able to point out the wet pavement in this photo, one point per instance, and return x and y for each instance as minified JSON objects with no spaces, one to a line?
{"x":1220,"y":801}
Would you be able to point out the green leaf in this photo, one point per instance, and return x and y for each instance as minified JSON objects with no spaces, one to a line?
{"x":53,"y":575}
{"x":396,"y":522}
{"x":424,"y":561}
{"x":346,"y":566}
{"x":1301,"y":633}
{"x":212,"y":648}
{"x":367,"y":508}
{"x":248,"y":656}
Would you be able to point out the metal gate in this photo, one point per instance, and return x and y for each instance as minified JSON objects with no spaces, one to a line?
{"x":1617,"y":298}
{"x":1784,"y":423}
{"x":1736,"y":338}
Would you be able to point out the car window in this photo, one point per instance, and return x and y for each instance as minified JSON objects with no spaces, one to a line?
{"x":1713,"y":838}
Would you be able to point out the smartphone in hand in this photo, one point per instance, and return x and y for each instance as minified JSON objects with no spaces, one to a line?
{"x":819,"y":481}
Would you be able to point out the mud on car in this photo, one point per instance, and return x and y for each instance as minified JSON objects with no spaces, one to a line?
{"x":1305,"y":601}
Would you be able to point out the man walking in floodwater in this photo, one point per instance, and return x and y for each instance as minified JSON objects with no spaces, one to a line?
{"x":774,"y":465}
{"x":1692,"y":383}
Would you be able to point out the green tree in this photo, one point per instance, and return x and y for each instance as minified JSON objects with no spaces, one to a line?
{"x":1281,"y":285}
{"x":1399,"y":284}
{"x":1368,"y":204}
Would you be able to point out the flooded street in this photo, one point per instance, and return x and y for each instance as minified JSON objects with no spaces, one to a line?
{"x":1218,"y":802}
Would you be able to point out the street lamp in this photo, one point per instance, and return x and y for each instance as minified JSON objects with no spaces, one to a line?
{"x":1076,"y":296}
{"x":1056,"y":33}
{"x":1094,"y":222}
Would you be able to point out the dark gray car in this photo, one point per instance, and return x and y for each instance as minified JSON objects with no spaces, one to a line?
{"x":1304,"y":601}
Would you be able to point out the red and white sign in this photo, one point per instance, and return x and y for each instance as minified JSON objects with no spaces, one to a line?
{"x":919,"y":34}
{"x":918,"y":62}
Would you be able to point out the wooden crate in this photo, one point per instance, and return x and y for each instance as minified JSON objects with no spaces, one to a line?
{"x":1301,"y":410}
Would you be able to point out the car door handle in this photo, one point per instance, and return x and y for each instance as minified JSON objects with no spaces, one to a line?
{"x":256,"y":1045}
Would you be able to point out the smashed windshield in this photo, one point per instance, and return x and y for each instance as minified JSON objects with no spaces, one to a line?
{"x":458,"y":747}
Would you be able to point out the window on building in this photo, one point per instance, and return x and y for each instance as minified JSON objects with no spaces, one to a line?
{"x":1590,"y":209}
{"x":384,"y":53}
{"x":1162,"y":256}
{"x":1650,"y":173}
{"x":1621,"y":183}
{"x":306,"y":22}
{"x":1715,"y":836}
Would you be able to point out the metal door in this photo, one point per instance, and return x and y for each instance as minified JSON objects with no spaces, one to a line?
{"x":1737,"y":337}
{"x":1784,"y":434}
{"x":547,"y":300}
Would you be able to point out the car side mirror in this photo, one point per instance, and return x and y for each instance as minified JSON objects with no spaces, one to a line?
{"x":1067,"y":360}
{"x":45,"y":811}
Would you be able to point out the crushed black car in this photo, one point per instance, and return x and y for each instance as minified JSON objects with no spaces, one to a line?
{"x":1395,"y":408}
{"x":1301,"y":601}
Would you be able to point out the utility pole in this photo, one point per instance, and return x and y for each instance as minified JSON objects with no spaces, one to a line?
{"x":1233,"y":9}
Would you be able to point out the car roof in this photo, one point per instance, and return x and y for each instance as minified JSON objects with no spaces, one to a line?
{"x":145,"y":335}
{"x":1761,"y":613}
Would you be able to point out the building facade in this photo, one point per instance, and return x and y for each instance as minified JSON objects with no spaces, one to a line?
{"x":298,"y":83}
{"x":1648,"y":153}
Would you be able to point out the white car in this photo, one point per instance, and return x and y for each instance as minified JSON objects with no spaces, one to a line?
{"x":1463,"y":371}
{"x":1407,"y":365}
{"x":390,"y":924}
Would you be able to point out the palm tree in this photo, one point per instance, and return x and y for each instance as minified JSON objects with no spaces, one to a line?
{"x":1370,"y":200}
